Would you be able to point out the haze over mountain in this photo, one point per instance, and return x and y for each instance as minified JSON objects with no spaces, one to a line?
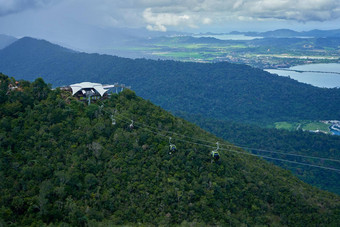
{"x":122,"y":41}
{"x":280,"y":33}
{"x":98,"y":26}
{"x":6,"y":40}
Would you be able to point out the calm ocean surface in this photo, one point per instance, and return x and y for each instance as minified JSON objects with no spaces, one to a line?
{"x":229,"y":37}
{"x":319,"y":75}
{"x":335,"y":132}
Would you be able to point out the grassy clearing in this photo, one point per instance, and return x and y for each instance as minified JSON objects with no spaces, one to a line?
{"x":313,"y":126}
{"x":291,"y":126}
{"x":181,"y":54}
{"x":239,"y":46}
{"x":140,"y":48}
{"x":304,"y":125}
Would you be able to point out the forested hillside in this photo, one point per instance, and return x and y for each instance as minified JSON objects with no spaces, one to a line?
{"x":219,"y":92}
{"x":65,"y":162}
{"x":222,"y":90}
{"x":296,"y":146}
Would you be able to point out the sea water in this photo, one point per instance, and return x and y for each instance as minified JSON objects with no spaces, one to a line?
{"x":319,"y":75}
{"x":335,"y":132}
{"x":229,"y":37}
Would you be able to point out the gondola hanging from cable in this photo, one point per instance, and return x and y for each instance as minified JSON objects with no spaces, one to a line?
{"x":131,"y":126}
{"x":114,"y":122}
{"x":214,"y":154}
{"x":172,"y":147}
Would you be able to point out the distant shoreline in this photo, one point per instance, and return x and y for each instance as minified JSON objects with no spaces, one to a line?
{"x":307,"y":71}
{"x":324,"y":75}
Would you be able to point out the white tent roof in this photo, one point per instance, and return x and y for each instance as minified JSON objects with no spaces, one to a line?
{"x":98,"y":87}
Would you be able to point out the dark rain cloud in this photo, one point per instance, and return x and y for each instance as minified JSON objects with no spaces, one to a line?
{"x":14,"y":6}
{"x":196,"y":12}
{"x":159,"y":15}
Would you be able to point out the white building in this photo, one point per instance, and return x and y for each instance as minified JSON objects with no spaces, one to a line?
{"x":92,"y":91}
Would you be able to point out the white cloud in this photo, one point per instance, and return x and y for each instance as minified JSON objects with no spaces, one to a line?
{"x":159,"y":21}
{"x":206,"y":20}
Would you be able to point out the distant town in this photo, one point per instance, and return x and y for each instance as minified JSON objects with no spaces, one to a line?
{"x":264,"y":53}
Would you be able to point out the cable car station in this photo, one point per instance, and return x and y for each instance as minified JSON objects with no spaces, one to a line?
{"x":87,"y":91}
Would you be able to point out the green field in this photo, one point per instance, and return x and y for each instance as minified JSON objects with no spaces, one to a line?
{"x":303,"y":125}
{"x":313,"y":126}
{"x":181,"y":55}
{"x":287,"y":125}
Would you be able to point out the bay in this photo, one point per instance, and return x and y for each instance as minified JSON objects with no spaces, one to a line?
{"x":319,"y":75}
{"x":229,"y":37}
{"x":337,"y":133}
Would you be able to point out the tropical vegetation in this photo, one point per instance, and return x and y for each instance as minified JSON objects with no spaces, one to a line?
{"x":63,"y":162}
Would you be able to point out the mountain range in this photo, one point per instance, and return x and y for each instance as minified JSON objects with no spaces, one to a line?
{"x":222,"y":90}
{"x":280,"y":33}
{"x":219,"y":93}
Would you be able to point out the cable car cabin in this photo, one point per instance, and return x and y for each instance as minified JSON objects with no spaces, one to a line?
{"x":131,"y":126}
{"x":215,"y":155}
{"x":172,"y":148}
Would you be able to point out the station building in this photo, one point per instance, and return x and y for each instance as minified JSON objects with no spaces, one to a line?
{"x":88,"y":91}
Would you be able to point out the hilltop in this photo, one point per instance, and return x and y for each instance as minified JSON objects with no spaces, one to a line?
{"x":65,"y":162}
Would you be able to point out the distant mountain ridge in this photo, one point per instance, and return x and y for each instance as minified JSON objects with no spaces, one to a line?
{"x":284,"y":33}
{"x":222,"y":90}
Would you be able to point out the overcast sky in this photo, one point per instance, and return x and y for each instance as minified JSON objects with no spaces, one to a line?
{"x":67,"y":19}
